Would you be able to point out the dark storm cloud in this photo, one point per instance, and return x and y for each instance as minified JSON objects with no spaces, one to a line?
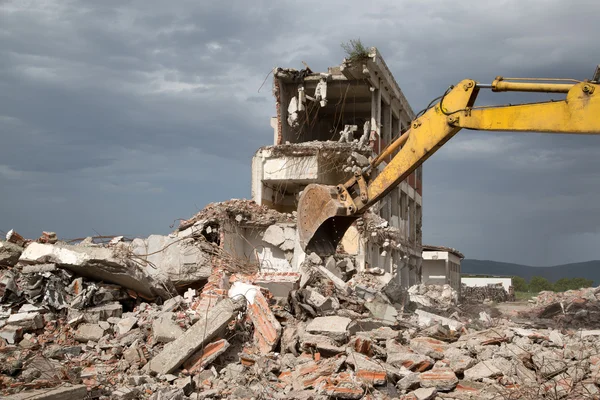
{"x":120,"y":117}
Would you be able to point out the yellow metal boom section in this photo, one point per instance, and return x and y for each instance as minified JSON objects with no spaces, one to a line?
{"x":578,"y":113}
{"x":326,"y":212}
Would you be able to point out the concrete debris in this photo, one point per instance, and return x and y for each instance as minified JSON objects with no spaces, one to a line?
{"x":207,"y":327}
{"x":165,"y":329}
{"x":74,"y":324}
{"x":440,"y":297}
{"x":181,"y":261}
{"x":9,"y":253}
{"x":334,"y":327}
{"x":102,"y":264}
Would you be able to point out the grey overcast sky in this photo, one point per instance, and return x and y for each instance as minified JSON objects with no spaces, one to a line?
{"x":120,"y":117}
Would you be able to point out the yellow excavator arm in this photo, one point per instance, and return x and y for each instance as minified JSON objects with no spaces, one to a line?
{"x":326,"y":212}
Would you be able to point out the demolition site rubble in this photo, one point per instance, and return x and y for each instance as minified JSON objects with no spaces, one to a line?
{"x":179,"y":317}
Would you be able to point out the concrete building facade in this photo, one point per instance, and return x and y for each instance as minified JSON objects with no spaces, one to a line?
{"x":328,"y":125}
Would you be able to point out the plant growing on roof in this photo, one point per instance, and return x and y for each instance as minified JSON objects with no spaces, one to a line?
{"x":355,"y":50}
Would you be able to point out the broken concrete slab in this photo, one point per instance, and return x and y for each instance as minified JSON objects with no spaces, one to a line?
{"x":334,"y":327}
{"x":458,"y":360}
{"x":421,"y":394}
{"x":93,"y":315}
{"x":125,"y":325}
{"x":337,"y":282}
{"x":443,"y":379}
{"x":64,"y":392}
{"x":482,"y":370}
{"x":274,"y":235}
{"x":198,"y":361}
{"x":382,"y":311}
{"x":320,"y":343}
{"x":164,"y":329}
{"x":125,"y":393}
{"x":318,"y":301}
{"x":28,"y":321}
{"x":401,"y":356}
{"x":103,"y":264}
{"x":183,"y":261}
{"x":87,"y":332}
{"x":366,"y":369}
{"x":429,"y":346}
{"x":427,"y":318}
{"x":206,"y":328}
{"x":9,"y":253}
{"x":280,"y":284}
{"x":12,"y":334}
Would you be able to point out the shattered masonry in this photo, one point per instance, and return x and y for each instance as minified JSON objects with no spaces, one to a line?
{"x":228,"y":306}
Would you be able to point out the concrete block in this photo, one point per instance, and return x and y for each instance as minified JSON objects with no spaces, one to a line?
{"x":59,"y":393}
{"x":382,"y":311}
{"x":12,"y":334}
{"x":125,"y":325}
{"x":334,"y":327}
{"x":274,"y":235}
{"x":427,"y":318}
{"x":443,"y":379}
{"x":280,"y":284}
{"x":93,"y":315}
{"x":125,"y":393}
{"x":421,"y":394}
{"x":87,"y":332}
{"x":409,"y":382}
{"x":9,"y":253}
{"x":28,"y":321}
{"x":429,"y":347}
{"x":367,"y":370}
{"x":183,"y":261}
{"x":337,"y":282}
{"x":165,"y":330}
{"x":481,"y":370}
{"x":401,"y":356}
{"x":207,"y":327}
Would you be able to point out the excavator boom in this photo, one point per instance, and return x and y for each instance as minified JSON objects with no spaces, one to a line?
{"x":326,"y":212}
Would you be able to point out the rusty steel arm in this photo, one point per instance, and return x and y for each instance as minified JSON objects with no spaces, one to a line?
{"x":578,"y":113}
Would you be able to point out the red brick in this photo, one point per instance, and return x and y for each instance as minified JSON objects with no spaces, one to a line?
{"x":267,"y":330}
{"x":341,"y":386}
{"x":198,"y":361}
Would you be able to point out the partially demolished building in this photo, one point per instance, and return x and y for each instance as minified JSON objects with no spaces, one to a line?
{"x":328,"y":125}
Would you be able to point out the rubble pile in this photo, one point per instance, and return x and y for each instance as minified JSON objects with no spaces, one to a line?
{"x":481,"y":294}
{"x":573,"y":308}
{"x":244,"y":212}
{"x":440,"y":297}
{"x":115,"y":321}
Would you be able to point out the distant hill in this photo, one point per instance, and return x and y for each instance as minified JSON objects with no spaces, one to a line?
{"x":588,"y":270}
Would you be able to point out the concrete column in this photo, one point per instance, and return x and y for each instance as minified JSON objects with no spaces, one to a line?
{"x":386,"y":125}
{"x":376,"y":114}
{"x":447,"y":271}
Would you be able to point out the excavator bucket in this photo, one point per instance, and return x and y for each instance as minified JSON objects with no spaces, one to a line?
{"x":322,"y":219}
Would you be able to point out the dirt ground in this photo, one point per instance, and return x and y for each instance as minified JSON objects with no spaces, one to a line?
{"x":511,"y":309}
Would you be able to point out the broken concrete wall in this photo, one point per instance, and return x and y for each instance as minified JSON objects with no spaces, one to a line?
{"x":270,"y":248}
{"x":113,"y":265}
{"x":280,"y":173}
{"x":183,"y":261}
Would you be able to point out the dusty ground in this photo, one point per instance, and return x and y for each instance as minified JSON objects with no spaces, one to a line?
{"x":511,"y":309}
